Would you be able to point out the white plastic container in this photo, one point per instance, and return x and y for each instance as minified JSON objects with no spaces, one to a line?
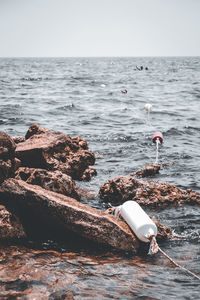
{"x":138,"y":220}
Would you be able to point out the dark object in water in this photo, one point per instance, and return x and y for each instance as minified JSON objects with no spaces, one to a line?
{"x":124,"y":91}
{"x":148,"y":170}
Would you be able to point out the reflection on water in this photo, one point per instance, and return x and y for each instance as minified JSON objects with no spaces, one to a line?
{"x":30,"y":273}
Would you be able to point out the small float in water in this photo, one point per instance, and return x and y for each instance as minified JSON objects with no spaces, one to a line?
{"x":157,"y":139}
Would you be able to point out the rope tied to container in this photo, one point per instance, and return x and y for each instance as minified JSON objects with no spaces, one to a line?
{"x":132,"y":214}
{"x":154,"y":248}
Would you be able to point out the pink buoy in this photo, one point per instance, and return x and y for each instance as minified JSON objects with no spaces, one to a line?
{"x":157,"y":136}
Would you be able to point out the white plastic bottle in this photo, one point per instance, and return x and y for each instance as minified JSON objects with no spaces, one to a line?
{"x":138,"y":220}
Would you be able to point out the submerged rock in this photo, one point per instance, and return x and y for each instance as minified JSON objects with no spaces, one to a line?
{"x":53,"y":181}
{"x":148,"y":170}
{"x":59,"y":213}
{"x":51,"y":150}
{"x":10,"y":225}
{"x":153,"y":194}
{"x":7,"y":156}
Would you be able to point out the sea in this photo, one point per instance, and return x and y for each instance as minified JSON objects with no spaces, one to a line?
{"x":83,"y":97}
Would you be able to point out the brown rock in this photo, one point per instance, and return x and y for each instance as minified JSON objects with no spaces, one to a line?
{"x":51,"y":150}
{"x":152,"y":193}
{"x":58,"y":212}
{"x":148,"y":170}
{"x":164,"y":232}
{"x":10,"y":226}
{"x":17,"y":164}
{"x":88,"y":174}
{"x":18,"y":139}
{"x":7,"y":156}
{"x":35,"y":129}
{"x":53,"y":181}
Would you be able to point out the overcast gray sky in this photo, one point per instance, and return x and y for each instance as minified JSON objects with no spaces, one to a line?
{"x":99,"y":28}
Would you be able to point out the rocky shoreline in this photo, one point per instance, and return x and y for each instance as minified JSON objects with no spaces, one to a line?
{"x":38,"y":191}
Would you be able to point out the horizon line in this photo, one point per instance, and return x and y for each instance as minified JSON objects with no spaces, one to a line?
{"x":102,"y":56}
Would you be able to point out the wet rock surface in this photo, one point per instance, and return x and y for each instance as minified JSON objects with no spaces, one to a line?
{"x":10,"y":225}
{"x":44,"y":196}
{"x":153,"y":194}
{"x":51,"y":150}
{"x":18,"y":139}
{"x":61,"y":213}
{"x":7,"y":156}
{"x":88,"y":174}
{"x":148,"y":170}
{"x":62,"y":296}
{"x":164,"y":232}
{"x":53,"y":181}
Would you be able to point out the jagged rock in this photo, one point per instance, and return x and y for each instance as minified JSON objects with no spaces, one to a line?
{"x":164,"y":232}
{"x":88,"y":174}
{"x":52,"y":181}
{"x":17,"y":164}
{"x":148,"y":170}
{"x":153,"y":194}
{"x":35,"y":129}
{"x":18,"y":139}
{"x":7,"y":156}
{"x":10,"y":226}
{"x":51,"y":150}
{"x":60,"y":213}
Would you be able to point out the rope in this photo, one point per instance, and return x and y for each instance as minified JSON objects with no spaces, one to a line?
{"x":154,"y":248}
{"x":157,"y":144}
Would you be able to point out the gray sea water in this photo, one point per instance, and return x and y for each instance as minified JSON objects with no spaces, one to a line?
{"x":82,"y":97}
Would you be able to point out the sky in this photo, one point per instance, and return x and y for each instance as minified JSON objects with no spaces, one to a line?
{"x":67,"y":28}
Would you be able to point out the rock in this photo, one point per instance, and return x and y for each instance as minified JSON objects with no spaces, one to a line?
{"x":35,"y":129}
{"x":18,"y":139}
{"x":17,"y":164}
{"x":10,"y":226}
{"x":7,"y":156}
{"x":148,"y":170}
{"x":88,"y":174}
{"x":52,"y":181}
{"x":62,"y":295}
{"x":153,"y":194}
{"x":51,"y":150}
{"x":60,"y":213}
{"x":164,"y":232}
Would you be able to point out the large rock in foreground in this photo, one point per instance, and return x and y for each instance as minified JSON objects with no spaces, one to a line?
{"x":10,"y":225}
{"x":153,"y":194}
{"x":51,"y":150}
{"x":36,"y":205}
